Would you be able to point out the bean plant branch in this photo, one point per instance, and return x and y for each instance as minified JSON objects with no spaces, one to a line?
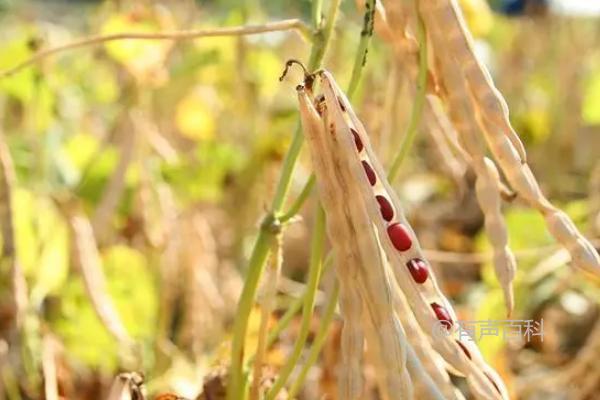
{"x":321,"y":42}
{"x":299,"y":202}
{"x":284,"y":25}
{"x":319,"y":341}
{"x":314,"y":276}
{"x":268,"y":303}
{"x":363,"y":46}
{"x":265,"y":236}
{"x":359,"y":63}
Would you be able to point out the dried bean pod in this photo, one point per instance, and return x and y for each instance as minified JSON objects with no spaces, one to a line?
{"x":419,"y":296}
{"x":444,"y":16}
{"x":353,"y":239}
{"x":447,"y":17}
{"x":352,"y":337}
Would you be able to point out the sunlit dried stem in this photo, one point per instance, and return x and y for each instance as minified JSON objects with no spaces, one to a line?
{"x":284,"y":25}
{"x":116,"y":185}
{"x":271,"y":279}
{"x":88,"y":262}
{"x":314,"y":276}
{"x":291,"y":62}
{"x":315,"y":350}
{"x":18,"y":285}
{"x":49,"y":368}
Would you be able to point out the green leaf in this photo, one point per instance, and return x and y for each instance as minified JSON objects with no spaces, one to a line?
{"x":41,"y":242}
{"x":21,"y":85}
{"x":202,"y":177}
{"x":131,"y":286}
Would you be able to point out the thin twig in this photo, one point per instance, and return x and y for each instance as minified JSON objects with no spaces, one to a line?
{"x":271,"y":280}
{"x":451,"y":257}
{"x":285,"y":25}
{"x":319,"y":341}
{"x":17,"y":279}
{"x":88,"y":262}
{"x":49,"y":368}
{"x":299,"y":202}
{"x":314,"y":275}
{"x":363,"y":46}
{"x":103,"y":214}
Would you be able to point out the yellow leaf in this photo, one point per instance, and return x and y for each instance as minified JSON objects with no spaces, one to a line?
{"x":194,"y":118}
{"x":265,"y":64}
{"x":478,"y":16}
{"x":144,"y":59}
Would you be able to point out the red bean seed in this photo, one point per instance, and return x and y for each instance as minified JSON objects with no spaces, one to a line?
{"x":387,"y":212}
{"x":357,"y":142}
{"x":442,"y":315}
{"x":370,"y":173}
{"x":418,"y":269}
{"x":399,"y":236}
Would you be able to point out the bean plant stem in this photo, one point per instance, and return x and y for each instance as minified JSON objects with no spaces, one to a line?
{"x":268,"y":302}
{"x":417,"y":110}
{"x":291,"y":312}
{"x":319,"y":231}
{"x":319,"y":341}
{"x":359,"y":63}
{"x":265,"y":235}
{"x":314,"y":276}
{"x":299,"y":202}
{"x":363,"y":46}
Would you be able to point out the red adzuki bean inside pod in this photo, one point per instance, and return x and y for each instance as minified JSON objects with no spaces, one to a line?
{"x":442,"y":315}
{"x":399,"y":236}
{"x":370,"y":173}
{"x":387,"y":212}
{"x":493,"y":382}
{"x":418,"y":269}
{"x":357,"y":142}
{"x":464,"y":349}
{"x":342,"y":107}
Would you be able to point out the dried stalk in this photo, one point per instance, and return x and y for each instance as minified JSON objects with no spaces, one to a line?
{"x":318,"y":342}
{"x":49,"y":368}
{"x":18,"y":284}
{"x":127,"y":386}
{"x":314,"y":276}
{"x":284,"y":25}
{"x":102,"y":218}
{"x":88,"y":262}
{"x":271,"y":279}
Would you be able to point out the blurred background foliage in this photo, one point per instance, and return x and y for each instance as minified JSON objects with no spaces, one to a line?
{"x":171,"y":150}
